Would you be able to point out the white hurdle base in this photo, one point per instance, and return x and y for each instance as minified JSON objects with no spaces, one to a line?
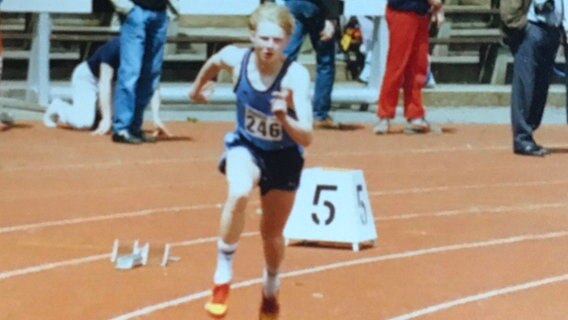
{"x":140,"y":256}
{"x":332,"y":205}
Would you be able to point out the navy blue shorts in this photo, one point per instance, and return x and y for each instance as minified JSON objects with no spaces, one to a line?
{"x":279,"y":169}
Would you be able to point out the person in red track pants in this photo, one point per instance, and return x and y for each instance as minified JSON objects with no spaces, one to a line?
{"x":407,"y":62}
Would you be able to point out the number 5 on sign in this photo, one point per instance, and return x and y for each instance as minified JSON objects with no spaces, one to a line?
{"x":332,"y":205}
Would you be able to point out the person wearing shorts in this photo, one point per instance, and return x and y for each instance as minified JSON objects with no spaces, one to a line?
{"x":274,"y":123}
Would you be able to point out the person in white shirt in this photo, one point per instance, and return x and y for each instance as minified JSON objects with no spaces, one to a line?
{"x":91,"y":85}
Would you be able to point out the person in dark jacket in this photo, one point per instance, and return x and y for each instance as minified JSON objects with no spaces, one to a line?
{"x":534,"y":31}
{"x":407,"y":62}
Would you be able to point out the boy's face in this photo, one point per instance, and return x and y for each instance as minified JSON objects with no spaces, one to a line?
{"x":269,"y":41}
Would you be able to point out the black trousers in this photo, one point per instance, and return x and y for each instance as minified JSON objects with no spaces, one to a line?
{"x":532,"y":73}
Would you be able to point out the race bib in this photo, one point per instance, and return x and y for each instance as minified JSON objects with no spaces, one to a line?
{"x":262,"y":126}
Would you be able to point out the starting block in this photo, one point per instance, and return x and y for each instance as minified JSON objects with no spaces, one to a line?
{"x":139,"y":256}
{"x":332,"y":205}
{"x":167,"y":257}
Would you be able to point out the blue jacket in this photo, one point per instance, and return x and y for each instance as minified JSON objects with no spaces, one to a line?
{"x":419,"y":6}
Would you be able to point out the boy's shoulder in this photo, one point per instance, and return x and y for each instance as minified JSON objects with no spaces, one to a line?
{"x":297,"y":71}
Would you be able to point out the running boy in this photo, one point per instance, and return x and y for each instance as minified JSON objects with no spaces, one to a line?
{"x":274,"y":123}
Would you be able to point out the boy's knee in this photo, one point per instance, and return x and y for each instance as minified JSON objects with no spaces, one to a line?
{"x":273,"y":237}
{"x":240,"y":191}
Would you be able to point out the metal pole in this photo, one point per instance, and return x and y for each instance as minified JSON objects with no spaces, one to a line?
{"x":38,"y":70}
{"x":379,"y":53}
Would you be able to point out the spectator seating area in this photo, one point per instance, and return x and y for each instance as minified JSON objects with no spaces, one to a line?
{"x":74,"y":37}
{"x":469,"y":43}
{"x":467,"y":49}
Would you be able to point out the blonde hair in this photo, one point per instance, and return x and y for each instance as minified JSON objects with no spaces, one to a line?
{"x":273,"y":13}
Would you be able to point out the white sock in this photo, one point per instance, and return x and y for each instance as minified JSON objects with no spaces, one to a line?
{"x":224,"y":270}
{"x":271,"y":283}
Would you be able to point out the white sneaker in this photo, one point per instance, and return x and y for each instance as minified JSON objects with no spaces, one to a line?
{"x":51,"y":115}
{"x":7,"y":118}
{"x":382,"y":126}
{"x":417,"y":125}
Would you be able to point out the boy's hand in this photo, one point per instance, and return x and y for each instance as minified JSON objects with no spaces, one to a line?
{"x":280,"y":102}
{"x":103,"y":128}
{"x":161,"y":130}
{"x":202,"y":95}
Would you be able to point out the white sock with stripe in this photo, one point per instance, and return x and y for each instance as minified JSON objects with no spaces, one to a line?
{"x":271,"y":283}
{"x":224,"y":270}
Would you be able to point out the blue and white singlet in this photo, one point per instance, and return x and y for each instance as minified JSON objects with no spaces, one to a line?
{"x":255,"y":120}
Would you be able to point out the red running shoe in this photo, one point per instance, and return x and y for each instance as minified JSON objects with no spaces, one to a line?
{"x":269,"y":308}
{"x":217,"y":305}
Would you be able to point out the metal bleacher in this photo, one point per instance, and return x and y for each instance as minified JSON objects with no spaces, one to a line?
{"x":466,"y":51}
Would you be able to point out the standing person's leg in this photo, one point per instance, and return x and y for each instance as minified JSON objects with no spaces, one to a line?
{"x":402,"y":32}
{"x":545,"y":60}
{"x":132,"y":40}
{"x":523,"y":88}
{"x":325,"y":70}
{"x":151,"y":67}
{"x":242,"y":175}
{"x":415,"y":76}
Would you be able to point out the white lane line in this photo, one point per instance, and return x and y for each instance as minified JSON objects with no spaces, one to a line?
{"x":71,"y":221}
{"x":55,"y":193}
{"x":116,"y":163}
{"x":476,"y":210}
{"x":122,"y":215}
{"x":482,"y":296}
{"x":48,"y":266}
{"x":467,"y":187}
{"x":463,"y":148}
{"x":83,"y":260}
{"x":338,"y":265}
{"x":109,"y":164}
{"x":210,"y":239}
